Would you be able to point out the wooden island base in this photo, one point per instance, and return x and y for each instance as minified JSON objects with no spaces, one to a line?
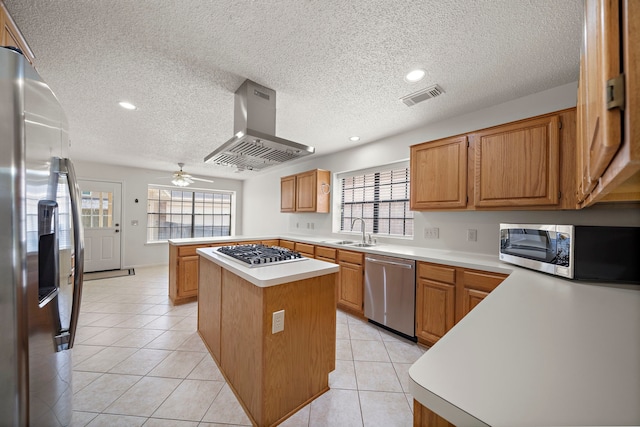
{"x":272,"y":375}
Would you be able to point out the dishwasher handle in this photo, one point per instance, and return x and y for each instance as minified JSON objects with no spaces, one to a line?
{"x":385,"y":262}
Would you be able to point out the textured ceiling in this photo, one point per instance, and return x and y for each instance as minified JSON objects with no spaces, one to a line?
{"x":337,"y":67}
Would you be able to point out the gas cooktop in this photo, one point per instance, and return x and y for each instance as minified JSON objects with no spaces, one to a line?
{"x":259,"y":255}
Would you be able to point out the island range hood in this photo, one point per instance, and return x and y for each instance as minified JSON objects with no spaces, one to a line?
{"x":254,"y":145}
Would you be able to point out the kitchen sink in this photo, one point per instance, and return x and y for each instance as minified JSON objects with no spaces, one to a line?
{"x":363,"y":245}
{"x":343,"y":242}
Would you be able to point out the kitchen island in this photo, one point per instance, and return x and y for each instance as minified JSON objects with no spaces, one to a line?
{"x":273,"y":374}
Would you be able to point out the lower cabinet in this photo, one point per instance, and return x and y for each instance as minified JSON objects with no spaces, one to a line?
{"x":445,"y":294}
{"x":435,"y":301}
{"x":305,"y":249}
{"x":424,"y":417}
{"x":475,"y":285}
{"x":184,"y":270}
{"x":288,"y":244}
{"x":183,"y":273}
{"x":351,"y":281}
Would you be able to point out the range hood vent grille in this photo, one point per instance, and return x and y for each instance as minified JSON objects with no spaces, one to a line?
{"x":422,"y":95}
{"x":255,"y":146}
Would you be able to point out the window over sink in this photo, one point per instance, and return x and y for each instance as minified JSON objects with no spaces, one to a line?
{"x":176,"y":213}
{"x":380,"y":196}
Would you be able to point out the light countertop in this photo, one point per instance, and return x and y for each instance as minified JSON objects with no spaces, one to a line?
{"x":538,"y":351}
{"x":272,"y":274}
{"x":454,"y":258}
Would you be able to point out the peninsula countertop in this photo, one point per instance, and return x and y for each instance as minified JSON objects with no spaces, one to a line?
{"x":538,"y":351}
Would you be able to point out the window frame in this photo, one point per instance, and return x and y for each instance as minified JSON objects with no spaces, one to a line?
{"x":375,"y":202}
{"x":192,"y":214}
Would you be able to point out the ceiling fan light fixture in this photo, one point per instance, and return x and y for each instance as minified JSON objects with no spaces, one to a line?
{"x":180,"y":182}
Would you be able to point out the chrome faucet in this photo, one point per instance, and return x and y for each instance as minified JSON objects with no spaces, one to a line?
{"x":363,"y":227}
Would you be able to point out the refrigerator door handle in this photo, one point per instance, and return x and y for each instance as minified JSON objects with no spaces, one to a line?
{"x":78,"y":233}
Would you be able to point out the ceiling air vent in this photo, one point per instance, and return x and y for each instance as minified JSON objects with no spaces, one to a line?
{"x":422,"y":95}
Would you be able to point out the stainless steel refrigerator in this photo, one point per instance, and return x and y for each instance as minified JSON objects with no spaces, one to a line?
{"x":41,"y":250}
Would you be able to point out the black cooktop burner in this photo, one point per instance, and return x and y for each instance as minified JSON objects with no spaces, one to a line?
{"x":259,"y":255}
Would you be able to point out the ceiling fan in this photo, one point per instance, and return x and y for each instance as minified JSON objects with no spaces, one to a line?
{"x":182,"y":179}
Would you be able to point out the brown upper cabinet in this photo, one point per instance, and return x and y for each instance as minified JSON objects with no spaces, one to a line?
{"x":528,"y":164}
{"x":443,"y":162}
{"x":517,"y":164}
{"x":10,"y":35}
{"x":608,"y":103}
{"x":306,"y":192}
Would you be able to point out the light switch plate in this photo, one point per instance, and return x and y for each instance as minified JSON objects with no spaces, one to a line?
{"x":277,"y":322}
{"x":472,"y":235}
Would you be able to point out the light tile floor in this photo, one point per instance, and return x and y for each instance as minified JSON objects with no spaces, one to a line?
{"x":138,"y":360}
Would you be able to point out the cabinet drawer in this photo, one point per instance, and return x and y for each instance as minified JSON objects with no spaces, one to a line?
{"x":214,"y":245}
{"x":323,"y":252}
{"x":189,"y":250}
{"x":350,"y":257}
{"x":481,"y":280}
{"x":287,"y":244}
{"x":441,"y":273}
{"x":305,"y":248}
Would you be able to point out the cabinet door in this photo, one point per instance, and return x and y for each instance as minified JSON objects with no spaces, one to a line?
{"x":11,"y":36}
{"x":474,"y":287}
{"x":288,"y":193}
{"x":518,"y":164}
{"x":350,"y":287}
{"x":439,"y":174}
{"x":306,"y":193}
{"x":188,"y":276}
{"x":600,"y":127}
{"x":435,"y":309}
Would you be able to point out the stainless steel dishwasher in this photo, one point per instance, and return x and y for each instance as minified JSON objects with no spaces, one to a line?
{"x":390,"y":293}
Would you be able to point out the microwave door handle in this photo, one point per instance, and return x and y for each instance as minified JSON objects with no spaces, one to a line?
{"x":78,"y":243}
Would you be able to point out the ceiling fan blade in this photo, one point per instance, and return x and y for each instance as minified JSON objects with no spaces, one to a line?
{"x":201,"y":179}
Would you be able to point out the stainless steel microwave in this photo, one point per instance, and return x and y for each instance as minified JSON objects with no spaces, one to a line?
{"x":593,"y":253}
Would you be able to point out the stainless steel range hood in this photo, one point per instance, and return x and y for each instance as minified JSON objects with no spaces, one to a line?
{"x":254,"y":145}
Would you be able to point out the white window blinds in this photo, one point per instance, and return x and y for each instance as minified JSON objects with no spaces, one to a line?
{"x":381,"y":198}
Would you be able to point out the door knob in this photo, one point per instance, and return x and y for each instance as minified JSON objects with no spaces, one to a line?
{"x":117,"y":231}
{"x":117,"y":225}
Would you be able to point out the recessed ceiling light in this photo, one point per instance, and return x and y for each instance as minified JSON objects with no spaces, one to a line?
{"x":415,"y":75}
{"x":354,"y":139}
{"x":127,"y":105}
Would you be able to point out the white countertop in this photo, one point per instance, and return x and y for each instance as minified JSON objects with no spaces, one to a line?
{"x":454,"y":258}
{"x":272,"y":274}
{"x":539,"y":350}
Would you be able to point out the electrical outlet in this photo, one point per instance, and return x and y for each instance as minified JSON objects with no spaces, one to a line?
{"x":297,"y":225}
{"x":432,"y":233}
{"x":472,"y":235}
{"x":277,"y":322}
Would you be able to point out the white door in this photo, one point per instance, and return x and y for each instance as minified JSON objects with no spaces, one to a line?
{"x":101,"y":203}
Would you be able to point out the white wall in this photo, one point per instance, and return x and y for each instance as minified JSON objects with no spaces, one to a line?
{"x":262,"y":193}
{"x":135,"y":250}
